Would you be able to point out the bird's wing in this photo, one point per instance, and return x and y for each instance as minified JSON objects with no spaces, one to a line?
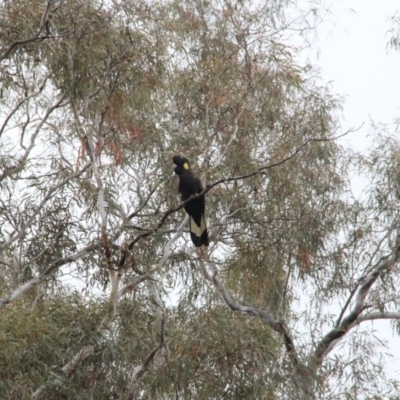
{"x":198,"y":185}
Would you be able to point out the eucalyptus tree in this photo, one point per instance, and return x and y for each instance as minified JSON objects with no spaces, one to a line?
{"x":103,"y":294}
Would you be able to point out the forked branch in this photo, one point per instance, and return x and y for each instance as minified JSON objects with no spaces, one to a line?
{"x":329,"y":341}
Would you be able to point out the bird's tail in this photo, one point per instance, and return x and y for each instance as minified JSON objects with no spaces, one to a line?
{"x":199,"y":233}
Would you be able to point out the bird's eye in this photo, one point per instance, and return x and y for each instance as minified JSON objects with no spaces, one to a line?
{"x":186,"y":165}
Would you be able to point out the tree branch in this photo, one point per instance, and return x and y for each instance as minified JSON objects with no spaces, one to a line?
{"x":34,"y":38}
{"x":329,"y":341}
{"x":11,"y":171}
{"x":104,"y":326}
{"x":232,"y":138}
{"x":155,"y":267}
{"x":100,"y":187}
{"x":45,"y":274}
{"x":376,"y":315}
{"x":115,"y":276}
{"x":22,"y":101}
{"x":115,"y":295}
{"x":13,"y":237}
{"x":265,"y":316}
{"x":140,"y":370}
{"x":365,"y":272}
{"x":74,"y":257}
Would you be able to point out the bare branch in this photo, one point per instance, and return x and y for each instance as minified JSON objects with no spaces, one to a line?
{"x":45,"y":274}
{"x":376,"y":315}
{"x":261,"y":170}
{"x":366,"y":271}
{"x":329,"y":341}
{"x":17,"y":168}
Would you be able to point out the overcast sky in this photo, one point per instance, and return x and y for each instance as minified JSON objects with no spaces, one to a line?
{"x":353,"y":54}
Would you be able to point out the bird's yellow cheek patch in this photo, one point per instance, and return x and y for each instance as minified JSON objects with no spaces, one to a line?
{"x":186,"y":165}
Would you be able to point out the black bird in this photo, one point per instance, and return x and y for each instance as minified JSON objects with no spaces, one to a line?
{"x":190,"y":184}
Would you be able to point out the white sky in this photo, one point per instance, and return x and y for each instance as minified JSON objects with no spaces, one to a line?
{"x":353,"y":54}
{"x":355,"y":57}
